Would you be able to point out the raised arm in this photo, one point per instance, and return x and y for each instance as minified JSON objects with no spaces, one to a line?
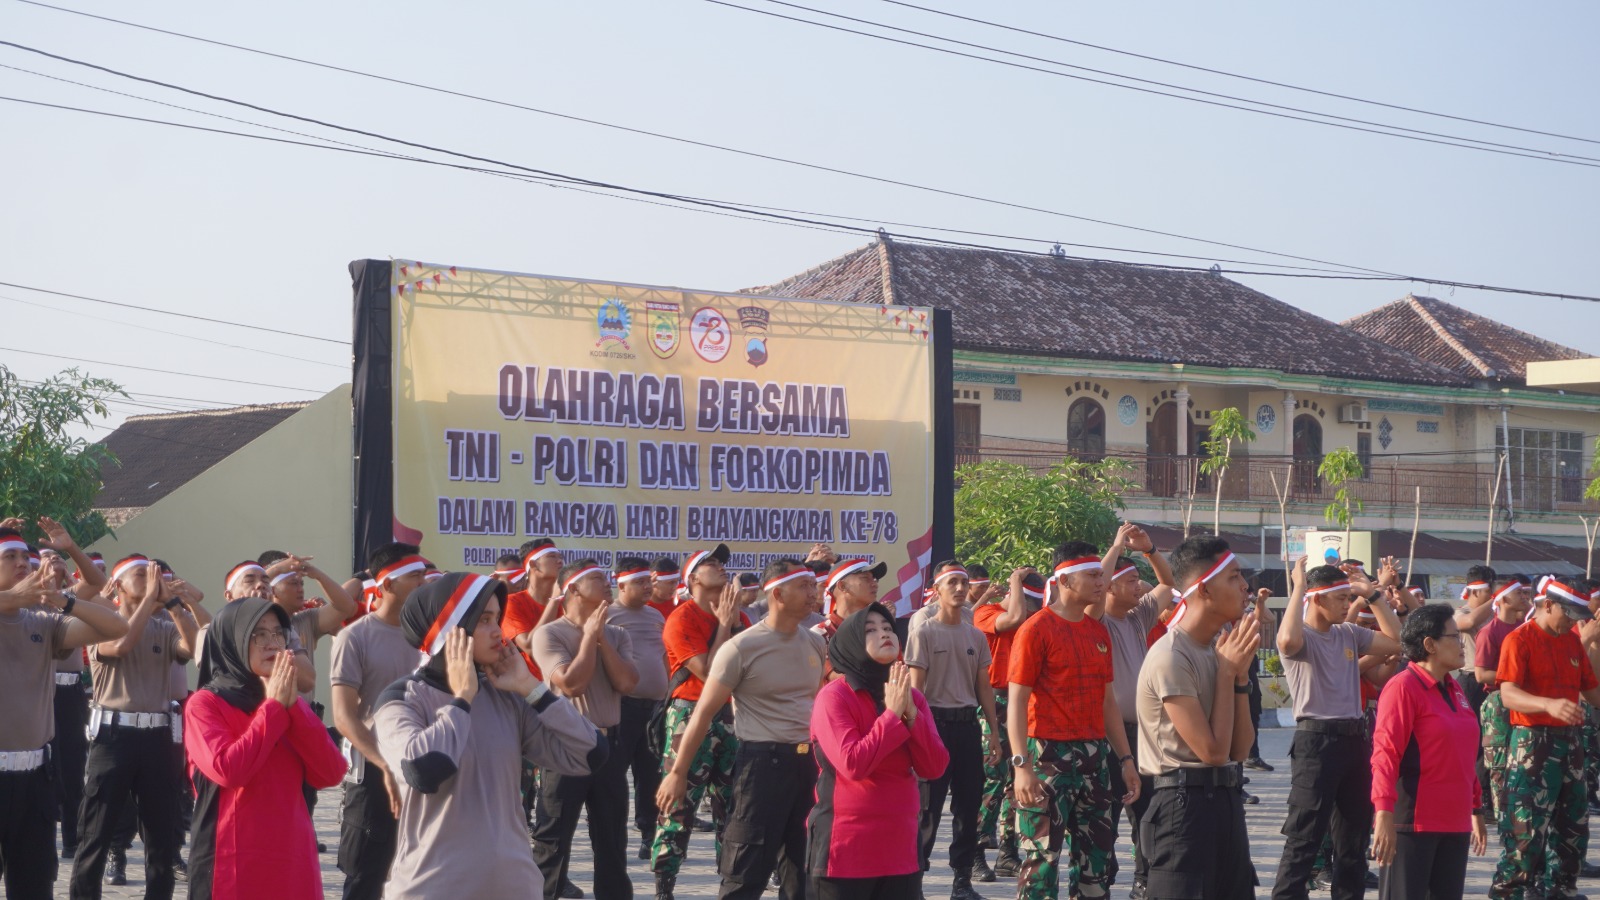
{"x":1291,"y":631}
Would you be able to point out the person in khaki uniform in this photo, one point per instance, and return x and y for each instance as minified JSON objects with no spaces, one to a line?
{"x":130,"y":754}
{"x":949,"y":662}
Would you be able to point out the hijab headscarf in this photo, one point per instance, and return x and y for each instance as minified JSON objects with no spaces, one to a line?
{"x":453,"y":601}
{"x":225,"y":666}
{"x":847,"y":652}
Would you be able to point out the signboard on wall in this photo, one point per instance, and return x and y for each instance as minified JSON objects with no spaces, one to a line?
{"x":1326,"y":548}
{"x":632,"y":420}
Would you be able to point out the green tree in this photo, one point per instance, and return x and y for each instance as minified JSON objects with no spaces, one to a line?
{"x":1337,"y":470}
{"x":1007,"y":516}
{"x":1227,"y":425}
{"x":1592,"y":492}
{"x":45,"y":470}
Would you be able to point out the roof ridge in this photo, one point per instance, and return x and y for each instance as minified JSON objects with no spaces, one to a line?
{"x":1449,"y":339}
{"x":885,"y":269}
{"x":229,"y":410}
{"x":767,"y":288}
{"x":1467,"y":313}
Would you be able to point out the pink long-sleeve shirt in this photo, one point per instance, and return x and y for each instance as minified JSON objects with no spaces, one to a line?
{"x":265,"y":844}
{"x":1424,"y":754}
{"x":864,"y":824}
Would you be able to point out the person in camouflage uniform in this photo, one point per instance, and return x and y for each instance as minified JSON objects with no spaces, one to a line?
{"x":1544,"y":821}
{"x":1496,"y":730}
{"x":1510,"y":603}
{"x":999,"y":623}
{"x":1063,"y":716}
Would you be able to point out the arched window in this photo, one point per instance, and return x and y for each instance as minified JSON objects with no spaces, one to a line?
{"x":1307,"y":454}
{"x":1086,"y":429}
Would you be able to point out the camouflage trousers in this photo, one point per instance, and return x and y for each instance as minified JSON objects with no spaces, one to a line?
{"x":995,"y":815}
{"x":1495,"y":728}
{"x":712,"y":770}
{"x":1591,"y":748}
{"x":1544,"y":825}
{"x":1077,"y":812}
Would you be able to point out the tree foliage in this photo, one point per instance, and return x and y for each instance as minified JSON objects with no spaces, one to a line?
{"x":1592,"y":492}
{"x":1227,"y":425}
{"x":44,"y":469}
{"x":1337,"y":470}
{"x":1008,"y":516}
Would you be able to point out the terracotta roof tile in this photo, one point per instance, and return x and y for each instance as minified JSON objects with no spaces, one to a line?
{"x":157,"y":454}
{"x":1465,"y":342}
{"x":1046,"y":306}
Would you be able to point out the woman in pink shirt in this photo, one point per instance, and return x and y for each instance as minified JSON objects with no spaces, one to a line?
{"x":252,"y":743}
{"x":874,"y":738}
{"x":1424,"y":756}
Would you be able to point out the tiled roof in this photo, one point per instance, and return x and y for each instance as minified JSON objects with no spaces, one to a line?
{"x":1037,"y":305}
{"x":1465,"y":342}
{"x":158,"y":454}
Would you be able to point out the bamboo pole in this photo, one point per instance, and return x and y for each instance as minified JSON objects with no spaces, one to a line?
{"x":1494,"y":498}
{"x":1591,"y":530}
{"x":1416,"y":521}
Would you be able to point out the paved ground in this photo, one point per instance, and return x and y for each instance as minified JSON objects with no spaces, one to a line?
{"x":699,"y":877}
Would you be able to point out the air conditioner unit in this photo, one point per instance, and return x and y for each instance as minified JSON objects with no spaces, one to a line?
{"x":1353,"y":413}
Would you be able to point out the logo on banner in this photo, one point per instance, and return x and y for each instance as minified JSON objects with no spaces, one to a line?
{"x":709,"y":334}
{"x":664,"y":336}
{"x":755,"y":320}
{"x":615,"y":323}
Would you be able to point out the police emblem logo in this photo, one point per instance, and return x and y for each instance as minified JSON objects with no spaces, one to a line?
{"x":1099,"y":646}
{"x":755,"y":321}
{"x":664,"y":335}
{"x":709,"y":335}
{"x":615,"y":323}
{"x":1349,"y":654}
{"x":1574,"y":661}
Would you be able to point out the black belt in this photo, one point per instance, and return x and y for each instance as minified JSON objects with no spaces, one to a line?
{"x":645,"y":702}
{"x":1209,"y":777}
{"x":1551,"y":732}
{"x":1343,"y":727}
{"x":802,"y":748}
{"x":954,"y":714}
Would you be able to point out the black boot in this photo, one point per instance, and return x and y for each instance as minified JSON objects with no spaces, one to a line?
{"x":980,"y":867}
{"x":117,"y":867}
{"x":961,"y":886}
{"x":664,"y":886}
{"x":1008,"y":863}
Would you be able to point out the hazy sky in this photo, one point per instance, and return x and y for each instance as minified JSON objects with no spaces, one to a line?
{"x":261,"y":233}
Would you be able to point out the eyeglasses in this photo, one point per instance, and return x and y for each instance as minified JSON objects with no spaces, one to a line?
{"x":268,"y":637}
{"x":1453,"y":635}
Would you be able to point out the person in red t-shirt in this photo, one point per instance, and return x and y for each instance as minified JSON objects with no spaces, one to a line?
{"x":693,"y":634}
{"x":1063,"y":717}
{"x":1510,"y":603}
{"x":997,"y":826}
{"x":525,"y":609}
{"x":1542,"y":673}
{"x":664,"y":586}
{"x":850,"y":586}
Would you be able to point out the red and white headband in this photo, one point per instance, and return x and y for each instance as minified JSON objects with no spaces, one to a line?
{"x":34,"y":559}
{"x":666,"y":577}
{"x":1494,"y":602}
{"x":1125,"y":570}
{"x":1082,"y":564}
{"x":1032,"y":594}
{"x":123,"y":568}
{"x":1417,"y":591}
{"x":951,"y":572}
{"x":1182,"y":608}
{"x":451,"y":613}
{"x":399,"y":568}
{"x":796,"y":575}
{"x":513,"y":572}
{"x":13,"y":544}
{"x":1564,"y":592}
{"x":632,"y":575}
{"x":574,"y":578}
{"x":1473,"y":586}
{"x":282,"y":578}
{"x":1327,"y":589}
{"x":239,"y":572}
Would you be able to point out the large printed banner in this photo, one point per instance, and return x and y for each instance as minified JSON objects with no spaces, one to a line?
{"x":620,"y":419}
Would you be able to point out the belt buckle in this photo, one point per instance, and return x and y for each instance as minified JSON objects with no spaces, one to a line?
{"x":803,"y":748}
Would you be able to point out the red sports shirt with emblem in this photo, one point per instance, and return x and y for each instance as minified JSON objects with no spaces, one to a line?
{"x":1546,"y":665}
{"x":984,"y":618}
{"x":521,"y":614}
{"x":1068,"y":665}
{"x":688,"y":634}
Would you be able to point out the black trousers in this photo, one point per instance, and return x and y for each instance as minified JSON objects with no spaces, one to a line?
{"x":963,"y":781}
{"x":1199,"y":849}
{"x":1330,"y":793}
{"x":126,"y":764}
{"x":1430,"y":865}
{"x":604,"y":793}
{"x":644,"y":761}
{"x":1255,"y":706}
{"x":28,"y":833}
{"x":367,"y":835}
{"x":774,"y":788}
{"x":1136,"y":810}
{"x":69,"y":751}
{"x":888,"y":887}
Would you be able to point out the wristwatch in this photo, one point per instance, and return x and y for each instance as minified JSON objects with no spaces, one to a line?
{"x":1018,"y":761}
{"x":1127,"y":757}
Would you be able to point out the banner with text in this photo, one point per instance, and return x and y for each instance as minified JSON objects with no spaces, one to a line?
{"x":629,"y":420}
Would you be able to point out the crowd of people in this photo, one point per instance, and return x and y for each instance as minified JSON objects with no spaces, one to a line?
{"x":476,"y":718}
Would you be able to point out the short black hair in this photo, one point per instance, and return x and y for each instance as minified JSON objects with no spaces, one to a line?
{"x":1484,"y":574}
{"x":1322,"y":576}
{"x":780,"y":567}
{"x":8,"y":533}
{"x":270,"y":557}
{"x":666,"y":565}
{"x":507,"y":561}
{"x":948,"y":564}
{"x":530,"y":546}
{"x":630,"y":564}
{"x":748,"y":579}
{"x":1194,"y":556}
{"x":1353,"y":562}
{"x":1523,"y":580}
{"x":574,"y":567}
{"x":820,"y":567}
{"x":978,"y":572}
{"x":1074,"y":550}
{"x":1425,"y":621}
{"x":389,"y":554}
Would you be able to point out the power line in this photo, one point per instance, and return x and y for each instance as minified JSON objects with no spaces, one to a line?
{"x":757,"y":215}
{"x":1197,"y":68}
{"x":165,"y":312}
{"x":693,"y":142}
{"x":102,"y":362}
{"x":190,"y":337}
{"x":1396,"y":131}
